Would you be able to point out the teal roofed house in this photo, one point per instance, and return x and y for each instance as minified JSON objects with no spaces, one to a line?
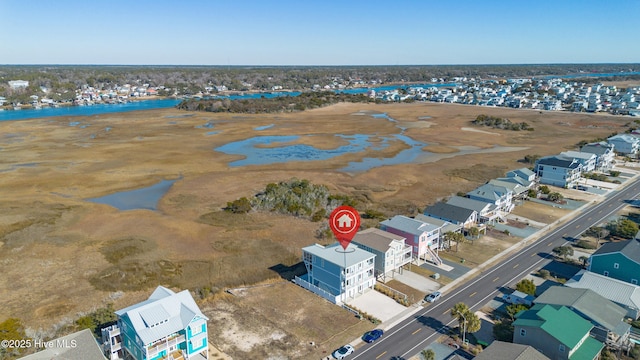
{"x":557,"y":332}
{"x":168,"y":325}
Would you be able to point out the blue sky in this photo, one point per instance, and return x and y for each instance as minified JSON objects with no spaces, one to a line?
{"x":341,"y":32}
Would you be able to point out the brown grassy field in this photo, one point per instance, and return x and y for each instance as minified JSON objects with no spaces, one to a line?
{"x":63,"y":256}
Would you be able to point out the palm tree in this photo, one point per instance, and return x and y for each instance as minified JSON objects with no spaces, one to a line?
{"x":428,"y":354}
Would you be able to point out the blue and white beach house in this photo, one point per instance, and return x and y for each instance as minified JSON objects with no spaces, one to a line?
{"x":168,"y":325}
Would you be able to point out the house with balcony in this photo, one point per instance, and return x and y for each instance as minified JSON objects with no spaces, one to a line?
{"x":605,"y":154}
{"x":423,"y":238}
{"x":522,"y":176}
{"x":464,"y":217}
{"x":557,"y":332}
{"x":390,"y":249}
{"x":558,"y":171}
{"x":498,"y":194}
{"x":337,"y":274}
{"x":487,"y":212}
{"x":625,"y":144}
{"x":587,"y":160}
{"x":443,"y":226}
{"x":168,"y":325}
{"x":619,"y":260}
{"x":608,"y":319}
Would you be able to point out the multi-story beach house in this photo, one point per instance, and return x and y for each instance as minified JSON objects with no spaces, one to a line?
{"x":168,"y":325}
{"x":498,"y":193}
{"x":390,"y":249}
{"x":625,"y":144}
{"x":604,"y":152}
{"x":558,"y":171}
{"x":337,"y":274}
{"x":423,"y":238}
{"x":587,"y":160}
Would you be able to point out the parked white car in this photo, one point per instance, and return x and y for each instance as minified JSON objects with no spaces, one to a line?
{"x":343,"y":352}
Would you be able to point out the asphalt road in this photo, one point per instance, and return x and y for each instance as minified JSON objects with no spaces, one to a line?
{"x":410,"y":336}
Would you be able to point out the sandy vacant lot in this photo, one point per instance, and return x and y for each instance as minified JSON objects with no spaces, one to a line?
{"x":63,"y":256}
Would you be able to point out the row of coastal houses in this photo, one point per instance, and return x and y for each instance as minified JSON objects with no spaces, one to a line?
{"x":339,"y":274}
{"x":591,"y":310}
{"x":565,"y":169}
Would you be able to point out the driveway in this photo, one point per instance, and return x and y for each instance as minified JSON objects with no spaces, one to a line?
{"x":417,"y":281}
{"x":377,"y":304}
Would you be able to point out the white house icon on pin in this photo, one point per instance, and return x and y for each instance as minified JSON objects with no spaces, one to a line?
{"x":344,"y":221}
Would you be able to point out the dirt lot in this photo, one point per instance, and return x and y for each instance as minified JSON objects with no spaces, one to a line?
{"x":63,"y":256}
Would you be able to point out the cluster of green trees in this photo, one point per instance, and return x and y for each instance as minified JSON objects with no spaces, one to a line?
{"x":304,"y":101}
{"x":500,"y":123}
{"x":294,"y":197}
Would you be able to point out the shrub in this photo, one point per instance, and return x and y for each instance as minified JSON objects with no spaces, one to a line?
{"x":585,"y":244}
{"x":545,"y":274}
{"x":240,"y":206}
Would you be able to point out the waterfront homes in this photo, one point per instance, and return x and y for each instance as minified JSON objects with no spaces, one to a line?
{"x":607,"y":317}
{"x":558,"y":171}
{"x":167,"y":325}
{"x":487,"y":212}
{"x":557,"y":332}
{"x":622,"y":293}
{"x":464,"y":217}
{"x":423,"y":238}
{"x":625,"y":144}
{"x":337,"y":274}
{"x":390,"y":249}
{"x":604,"y":152}
{"x":619,"y":260}
{"x":499,"y":194}
{"x":587,"y":160}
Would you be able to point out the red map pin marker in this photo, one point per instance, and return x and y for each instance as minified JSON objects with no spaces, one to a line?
{"x":344,"y":222}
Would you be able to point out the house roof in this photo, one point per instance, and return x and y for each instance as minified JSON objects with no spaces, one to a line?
{"x":86,"y":347}
{"x":522,"y":172}
{"x":449,"y":212}
{"x":624,"y":138}
{"x":512,"y":186}
{"x":409,"y":225}
{"x":491,"y":192}
{"x":376,"y":239}
{"x":510,"y":351}
{"x":444,"y":225}
{"x":629,"y":248}
{"x":558,"y":162}
{"x":590,"y":349}
{"x":558,"y":321}
{"x":516,"y":180}
{"x":164,"y":313}
{"x":477,"y":205}
{"x":335,"y":254}
{"x":578,"y":155}
{"x":598,"y":148}
{"x":618,"y":291}
{"x":595,"y":307}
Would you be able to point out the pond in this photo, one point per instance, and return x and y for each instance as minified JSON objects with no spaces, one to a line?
{"x":144,"y":198}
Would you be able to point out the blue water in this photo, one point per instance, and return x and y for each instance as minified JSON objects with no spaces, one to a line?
{"x":257,"y":155}
{"x":87,"y":110}
{"x":403,"y":157}
{"x":264,"y":127}
{"x":145,"y":198}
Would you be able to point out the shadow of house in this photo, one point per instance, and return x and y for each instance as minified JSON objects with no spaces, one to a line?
{"x":289,"y":272}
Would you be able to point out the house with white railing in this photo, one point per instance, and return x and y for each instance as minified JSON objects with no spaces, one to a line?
{"x":168,"y":325}
{"x":390,"y":249}
{"x":337,"y":274}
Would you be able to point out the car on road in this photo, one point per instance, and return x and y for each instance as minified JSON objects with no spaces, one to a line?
{"x":343,"y":352}
{"x":433,"y":296}
{"x":373,"y":335}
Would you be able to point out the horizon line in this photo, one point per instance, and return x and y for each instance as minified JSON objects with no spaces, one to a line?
{"x":317,"y":65}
